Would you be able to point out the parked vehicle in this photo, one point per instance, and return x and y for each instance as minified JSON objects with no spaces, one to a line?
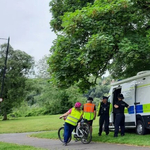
{"x":136,"y":91}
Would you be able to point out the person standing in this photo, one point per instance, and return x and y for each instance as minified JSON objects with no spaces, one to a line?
{"x":120,"y":117}
{"x":103,"y":112}
{"x":73,"y":116}
{"x":89,"y":112}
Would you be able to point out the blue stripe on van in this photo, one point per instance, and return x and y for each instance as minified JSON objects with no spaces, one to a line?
{"x":131,"y":110}
{"x":139,"y":108}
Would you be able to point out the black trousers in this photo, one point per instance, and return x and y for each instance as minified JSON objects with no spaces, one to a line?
{"x":104,"y":119}
{"x":119,"y":121}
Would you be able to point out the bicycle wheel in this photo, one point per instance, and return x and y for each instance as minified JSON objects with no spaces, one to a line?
{"x":61,"y":135}
{"x":87,"y":134}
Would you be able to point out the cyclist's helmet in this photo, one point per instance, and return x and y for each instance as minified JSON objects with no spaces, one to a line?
{"x":77,"y":105}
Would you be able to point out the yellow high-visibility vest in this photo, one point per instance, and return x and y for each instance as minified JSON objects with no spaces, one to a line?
{"x":74,"y":117}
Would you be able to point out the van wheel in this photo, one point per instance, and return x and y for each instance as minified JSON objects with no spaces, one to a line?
{"x":140,"y":129}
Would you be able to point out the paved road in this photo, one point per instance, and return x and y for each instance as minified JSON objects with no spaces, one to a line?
{"x":24,"y":139}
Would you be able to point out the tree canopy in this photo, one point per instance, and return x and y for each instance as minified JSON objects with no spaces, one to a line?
{"x":109,"y":35}
{"x":59,"y":7}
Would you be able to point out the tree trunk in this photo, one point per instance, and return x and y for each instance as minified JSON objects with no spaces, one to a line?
{"x":5,"y":116}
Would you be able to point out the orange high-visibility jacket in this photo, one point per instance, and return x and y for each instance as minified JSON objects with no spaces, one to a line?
{"x":88,"y":111}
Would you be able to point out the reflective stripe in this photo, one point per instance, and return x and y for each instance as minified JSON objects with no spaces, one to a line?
{"x":146,"y":108}
{"x":125,"y":110}
{"x":143,"y":85}
{"x":129,"y":110}
{"x":110,"y":108}
{"x":88,"y":113}
{"x":73,"y":117}
{"x":139,"y":109}
{"x":139,"y":86}
{"x":99,"y":105}
{"x":70,"y":121}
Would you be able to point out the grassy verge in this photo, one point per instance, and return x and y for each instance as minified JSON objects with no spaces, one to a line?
{"x":129,"y":138}
{"x":31,"y":124}
{"x":8,"y":146}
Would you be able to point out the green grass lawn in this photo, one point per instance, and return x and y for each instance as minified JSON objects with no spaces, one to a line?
{"x":51,"y":124}
{"x":29,"y":124}
{"x":8,"y":146}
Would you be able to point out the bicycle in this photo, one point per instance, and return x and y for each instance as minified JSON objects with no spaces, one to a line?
{"x":82,"y":133}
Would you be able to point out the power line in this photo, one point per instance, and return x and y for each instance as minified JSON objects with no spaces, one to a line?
{"x":3,"y":39}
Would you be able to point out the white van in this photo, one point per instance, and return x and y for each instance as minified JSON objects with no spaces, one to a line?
{"x":136,"y":91}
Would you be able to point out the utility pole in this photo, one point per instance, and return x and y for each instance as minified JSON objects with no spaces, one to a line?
{"x":4,"y":70}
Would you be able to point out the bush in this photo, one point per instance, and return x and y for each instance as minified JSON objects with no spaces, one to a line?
{"x":35,"y":111}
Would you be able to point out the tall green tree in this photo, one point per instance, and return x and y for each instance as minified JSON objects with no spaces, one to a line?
{"x":18,"y":67}
{"x":59,"y":7}
{"x":110,"y":34}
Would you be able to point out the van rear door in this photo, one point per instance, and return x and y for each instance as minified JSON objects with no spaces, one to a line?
{"x":113,"y":99}
{"x":129,"y":92}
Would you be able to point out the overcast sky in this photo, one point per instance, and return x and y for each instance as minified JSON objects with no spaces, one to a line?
{"x":27,"y":24}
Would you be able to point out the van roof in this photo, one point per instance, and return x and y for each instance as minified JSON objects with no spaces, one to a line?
{"x":138,"y":76}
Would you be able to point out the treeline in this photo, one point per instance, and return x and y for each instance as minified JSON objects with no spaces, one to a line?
{"x":43,"y":98}
{"x":29,"y":94}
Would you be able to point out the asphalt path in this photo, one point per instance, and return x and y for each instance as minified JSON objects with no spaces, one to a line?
{"x":25,"y":139}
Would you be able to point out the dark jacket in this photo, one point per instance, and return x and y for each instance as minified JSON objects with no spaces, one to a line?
{"x":103,"y":108}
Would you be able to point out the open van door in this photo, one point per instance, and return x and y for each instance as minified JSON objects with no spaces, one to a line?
{"x":129,"y":92}
{"x":115,"y":92}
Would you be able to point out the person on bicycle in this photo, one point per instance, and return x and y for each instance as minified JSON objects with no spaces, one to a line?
{"x":73,"y":116}
{"x":89,"y":112}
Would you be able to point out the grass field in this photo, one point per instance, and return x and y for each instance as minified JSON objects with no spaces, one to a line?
{"x":51,"y":123}
{"x":8,"y":146}
{"x":29,"y":124}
